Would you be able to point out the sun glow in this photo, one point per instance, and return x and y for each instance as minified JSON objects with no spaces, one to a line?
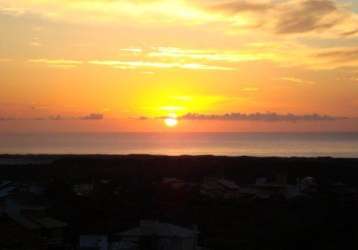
{"x":171,"y":122}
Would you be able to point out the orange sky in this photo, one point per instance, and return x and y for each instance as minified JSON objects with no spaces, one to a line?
{"x":91,"y":65}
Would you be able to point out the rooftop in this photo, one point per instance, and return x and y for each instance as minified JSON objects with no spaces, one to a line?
{"x":160,"y":229}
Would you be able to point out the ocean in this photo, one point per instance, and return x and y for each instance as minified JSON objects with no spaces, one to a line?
{"x":343,"y":145}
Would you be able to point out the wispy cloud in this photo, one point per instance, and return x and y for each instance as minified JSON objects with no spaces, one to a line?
{"x":132,"y":50}
{"x":308,"y":15}
{"x":289,"y":17}
{"x":167,"y":11}
{"x":335,"y":58}
{"x":234,"y":7}
{"x":250,"y":89}
{"x":35,"y":42}
{"x":57,"y":63}
{"x":208,"y":55}
{"x":284,"y":54}
{"x":340,"y":54}
{"x":296,"y":80}
{"x":161,"y":65}
{"x":278,"y":17}
{"x":4,"y":60}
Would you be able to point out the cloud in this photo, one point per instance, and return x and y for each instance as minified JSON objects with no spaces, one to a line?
{"x":162,"y":65}
{"x":340,"y":55}
{"x":57,"y":63}
{"x":250,"y":89}
{"x":201,"y":54}
{"x":284,"y":54}
{"x":267,"y":117}
{"x":296,"y":80}
{"x":89,"y":117}
{"x":93,"y":116}
{"x":235,"y":7}
{"x":4,"y":60}
{"x":288,"y":17}
{"x":138,"y":63}
{"x":2,"y":119}
{"x":136,"y":11}
{"x":279,"y":17}
{"x":308,"y":15}
{"x":132,"y":50}
{"x":350,"y":32}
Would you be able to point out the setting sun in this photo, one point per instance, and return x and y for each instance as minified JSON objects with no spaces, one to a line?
{"x":196,"y":66}
{"x":171,"y":122}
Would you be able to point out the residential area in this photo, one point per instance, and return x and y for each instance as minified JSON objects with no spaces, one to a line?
{"x":125,"y":211}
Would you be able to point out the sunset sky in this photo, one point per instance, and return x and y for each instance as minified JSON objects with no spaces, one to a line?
{"x":127,"y":65}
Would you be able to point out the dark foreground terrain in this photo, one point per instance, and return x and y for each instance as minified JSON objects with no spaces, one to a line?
{"x":52,"y":202}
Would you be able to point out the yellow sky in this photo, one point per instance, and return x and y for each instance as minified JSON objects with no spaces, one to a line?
{"x":100,"y":65}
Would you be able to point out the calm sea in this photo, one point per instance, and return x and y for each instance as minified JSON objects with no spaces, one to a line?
{"x":251,"y":144}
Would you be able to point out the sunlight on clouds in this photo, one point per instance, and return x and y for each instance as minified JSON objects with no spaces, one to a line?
{"x":296,"y":80}
{"x":58,"y":63}
{"x":85,"y":10}
{"x":250,"y":89}
{"x":160,"y":65}
{"x":5,"y":60}
{"x":293,"y":17}
{"x":209,"y":55}
{"x":284,"y":54}
{"x":156,"y":57}
{"x":132,"y":50}
{"x":162,"y":104}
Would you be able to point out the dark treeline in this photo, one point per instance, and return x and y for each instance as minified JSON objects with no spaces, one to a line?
{"x":244,"y":170}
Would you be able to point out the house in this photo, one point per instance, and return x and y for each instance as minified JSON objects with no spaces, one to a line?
{"x":47,"y":228}
{"x":52,"y":230}
{"x":14,"y":236}
{"x":28,"y":211}
{"x":93,"y":242}
{"x":264,"y":189}
{"x":6,"y":188}
{"x":308,"y":185}
{"x":345,"y":194}
{"x":174,"y":183}
{"x":84,"y":189}
{"x":152,"y":235}
{"x":219,"y":188}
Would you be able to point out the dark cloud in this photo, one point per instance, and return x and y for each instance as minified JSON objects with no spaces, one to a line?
{"x":309,"y":15}
{"x":90,"y":117}
{"x":340,"y":55}
{"x":288,"y":17}
{"x":93,"y":116}
{"x":240,"y":6}
{"x":350,"y":33}
{"x":54,"y":118}
{"x":3,"y":119}
{"x":267,"y":117}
